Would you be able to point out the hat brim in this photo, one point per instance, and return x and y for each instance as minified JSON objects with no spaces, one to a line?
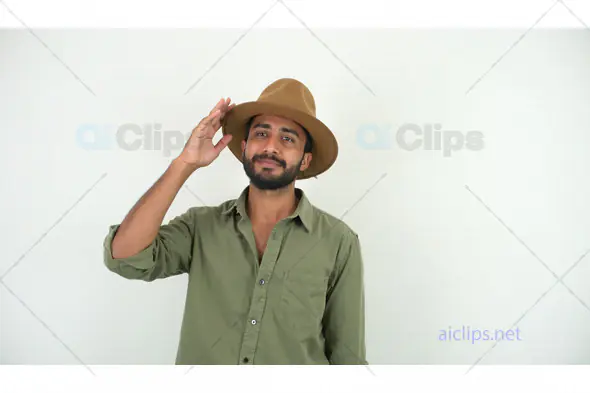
{"x":325,"y":146}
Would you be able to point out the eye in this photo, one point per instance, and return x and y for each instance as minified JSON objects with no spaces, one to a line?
{"x":289,"y":138}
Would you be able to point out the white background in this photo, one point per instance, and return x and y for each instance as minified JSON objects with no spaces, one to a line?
{"x":476,"y":239}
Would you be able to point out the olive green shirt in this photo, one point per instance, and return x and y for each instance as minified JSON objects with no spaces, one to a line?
{"x":303,"y":303}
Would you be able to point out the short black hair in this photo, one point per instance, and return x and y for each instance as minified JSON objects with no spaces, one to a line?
{"x":308,"y":139}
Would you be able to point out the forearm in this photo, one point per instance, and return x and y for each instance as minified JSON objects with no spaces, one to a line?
{"x":140,"y":226}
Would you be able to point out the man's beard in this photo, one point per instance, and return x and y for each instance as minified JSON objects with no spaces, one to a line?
{"x":270,"y":182}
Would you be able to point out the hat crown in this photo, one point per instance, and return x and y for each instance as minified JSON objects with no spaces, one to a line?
{"x":290,"y":93}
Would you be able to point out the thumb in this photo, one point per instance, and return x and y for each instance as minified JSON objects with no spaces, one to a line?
{"x":223,"y":142}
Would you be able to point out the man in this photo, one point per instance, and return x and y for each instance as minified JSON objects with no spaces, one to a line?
{"x":272,"y":279}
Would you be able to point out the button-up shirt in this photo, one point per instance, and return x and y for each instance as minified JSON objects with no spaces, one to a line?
{"x":303,"y":303}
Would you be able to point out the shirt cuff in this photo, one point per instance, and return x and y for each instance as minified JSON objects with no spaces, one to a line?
{"x":144,"y":259}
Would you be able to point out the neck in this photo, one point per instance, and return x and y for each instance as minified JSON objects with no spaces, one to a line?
{"x":267,"y":207}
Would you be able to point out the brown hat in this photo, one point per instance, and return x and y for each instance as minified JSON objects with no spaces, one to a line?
{"x":291,"y":99}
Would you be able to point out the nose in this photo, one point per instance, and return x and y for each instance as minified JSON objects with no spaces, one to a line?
{"x":270,"y":146}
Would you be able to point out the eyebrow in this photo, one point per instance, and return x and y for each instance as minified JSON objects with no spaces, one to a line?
{"x":283,"y":129}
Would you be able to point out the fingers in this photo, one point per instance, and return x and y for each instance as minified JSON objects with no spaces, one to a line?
{"x":208,"y":123}
{"x":222,"y":104}
{"x":224,"y":110}
{"x":219,"y":105}
{"x":226,"y":107}
{"x":209,"y":119}
{"x":214,"y":118}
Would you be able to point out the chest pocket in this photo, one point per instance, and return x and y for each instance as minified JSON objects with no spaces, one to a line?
{"x":303,"y":300}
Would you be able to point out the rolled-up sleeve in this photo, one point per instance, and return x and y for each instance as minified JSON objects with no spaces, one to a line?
{"x":168,"y":255}
{"x":344,"y":317}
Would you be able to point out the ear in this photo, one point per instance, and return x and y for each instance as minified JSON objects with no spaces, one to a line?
{"x":306,"y":161}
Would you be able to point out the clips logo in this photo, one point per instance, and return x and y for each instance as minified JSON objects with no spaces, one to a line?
{"x":411,"y":136}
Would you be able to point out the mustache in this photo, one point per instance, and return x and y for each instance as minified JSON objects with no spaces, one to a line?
{"x":266,"y":157}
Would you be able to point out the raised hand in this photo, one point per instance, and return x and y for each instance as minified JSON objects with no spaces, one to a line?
{"x":199,"y":150}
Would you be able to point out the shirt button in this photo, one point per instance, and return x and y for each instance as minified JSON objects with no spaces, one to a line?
{"x":246,"y":360}
{"x":253,"y":322}
{"x":262,"y":282}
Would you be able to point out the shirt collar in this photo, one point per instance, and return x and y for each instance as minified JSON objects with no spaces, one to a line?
{"x":304,"y":210}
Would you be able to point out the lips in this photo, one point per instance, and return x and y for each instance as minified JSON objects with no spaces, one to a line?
{"x":268,"y":162}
